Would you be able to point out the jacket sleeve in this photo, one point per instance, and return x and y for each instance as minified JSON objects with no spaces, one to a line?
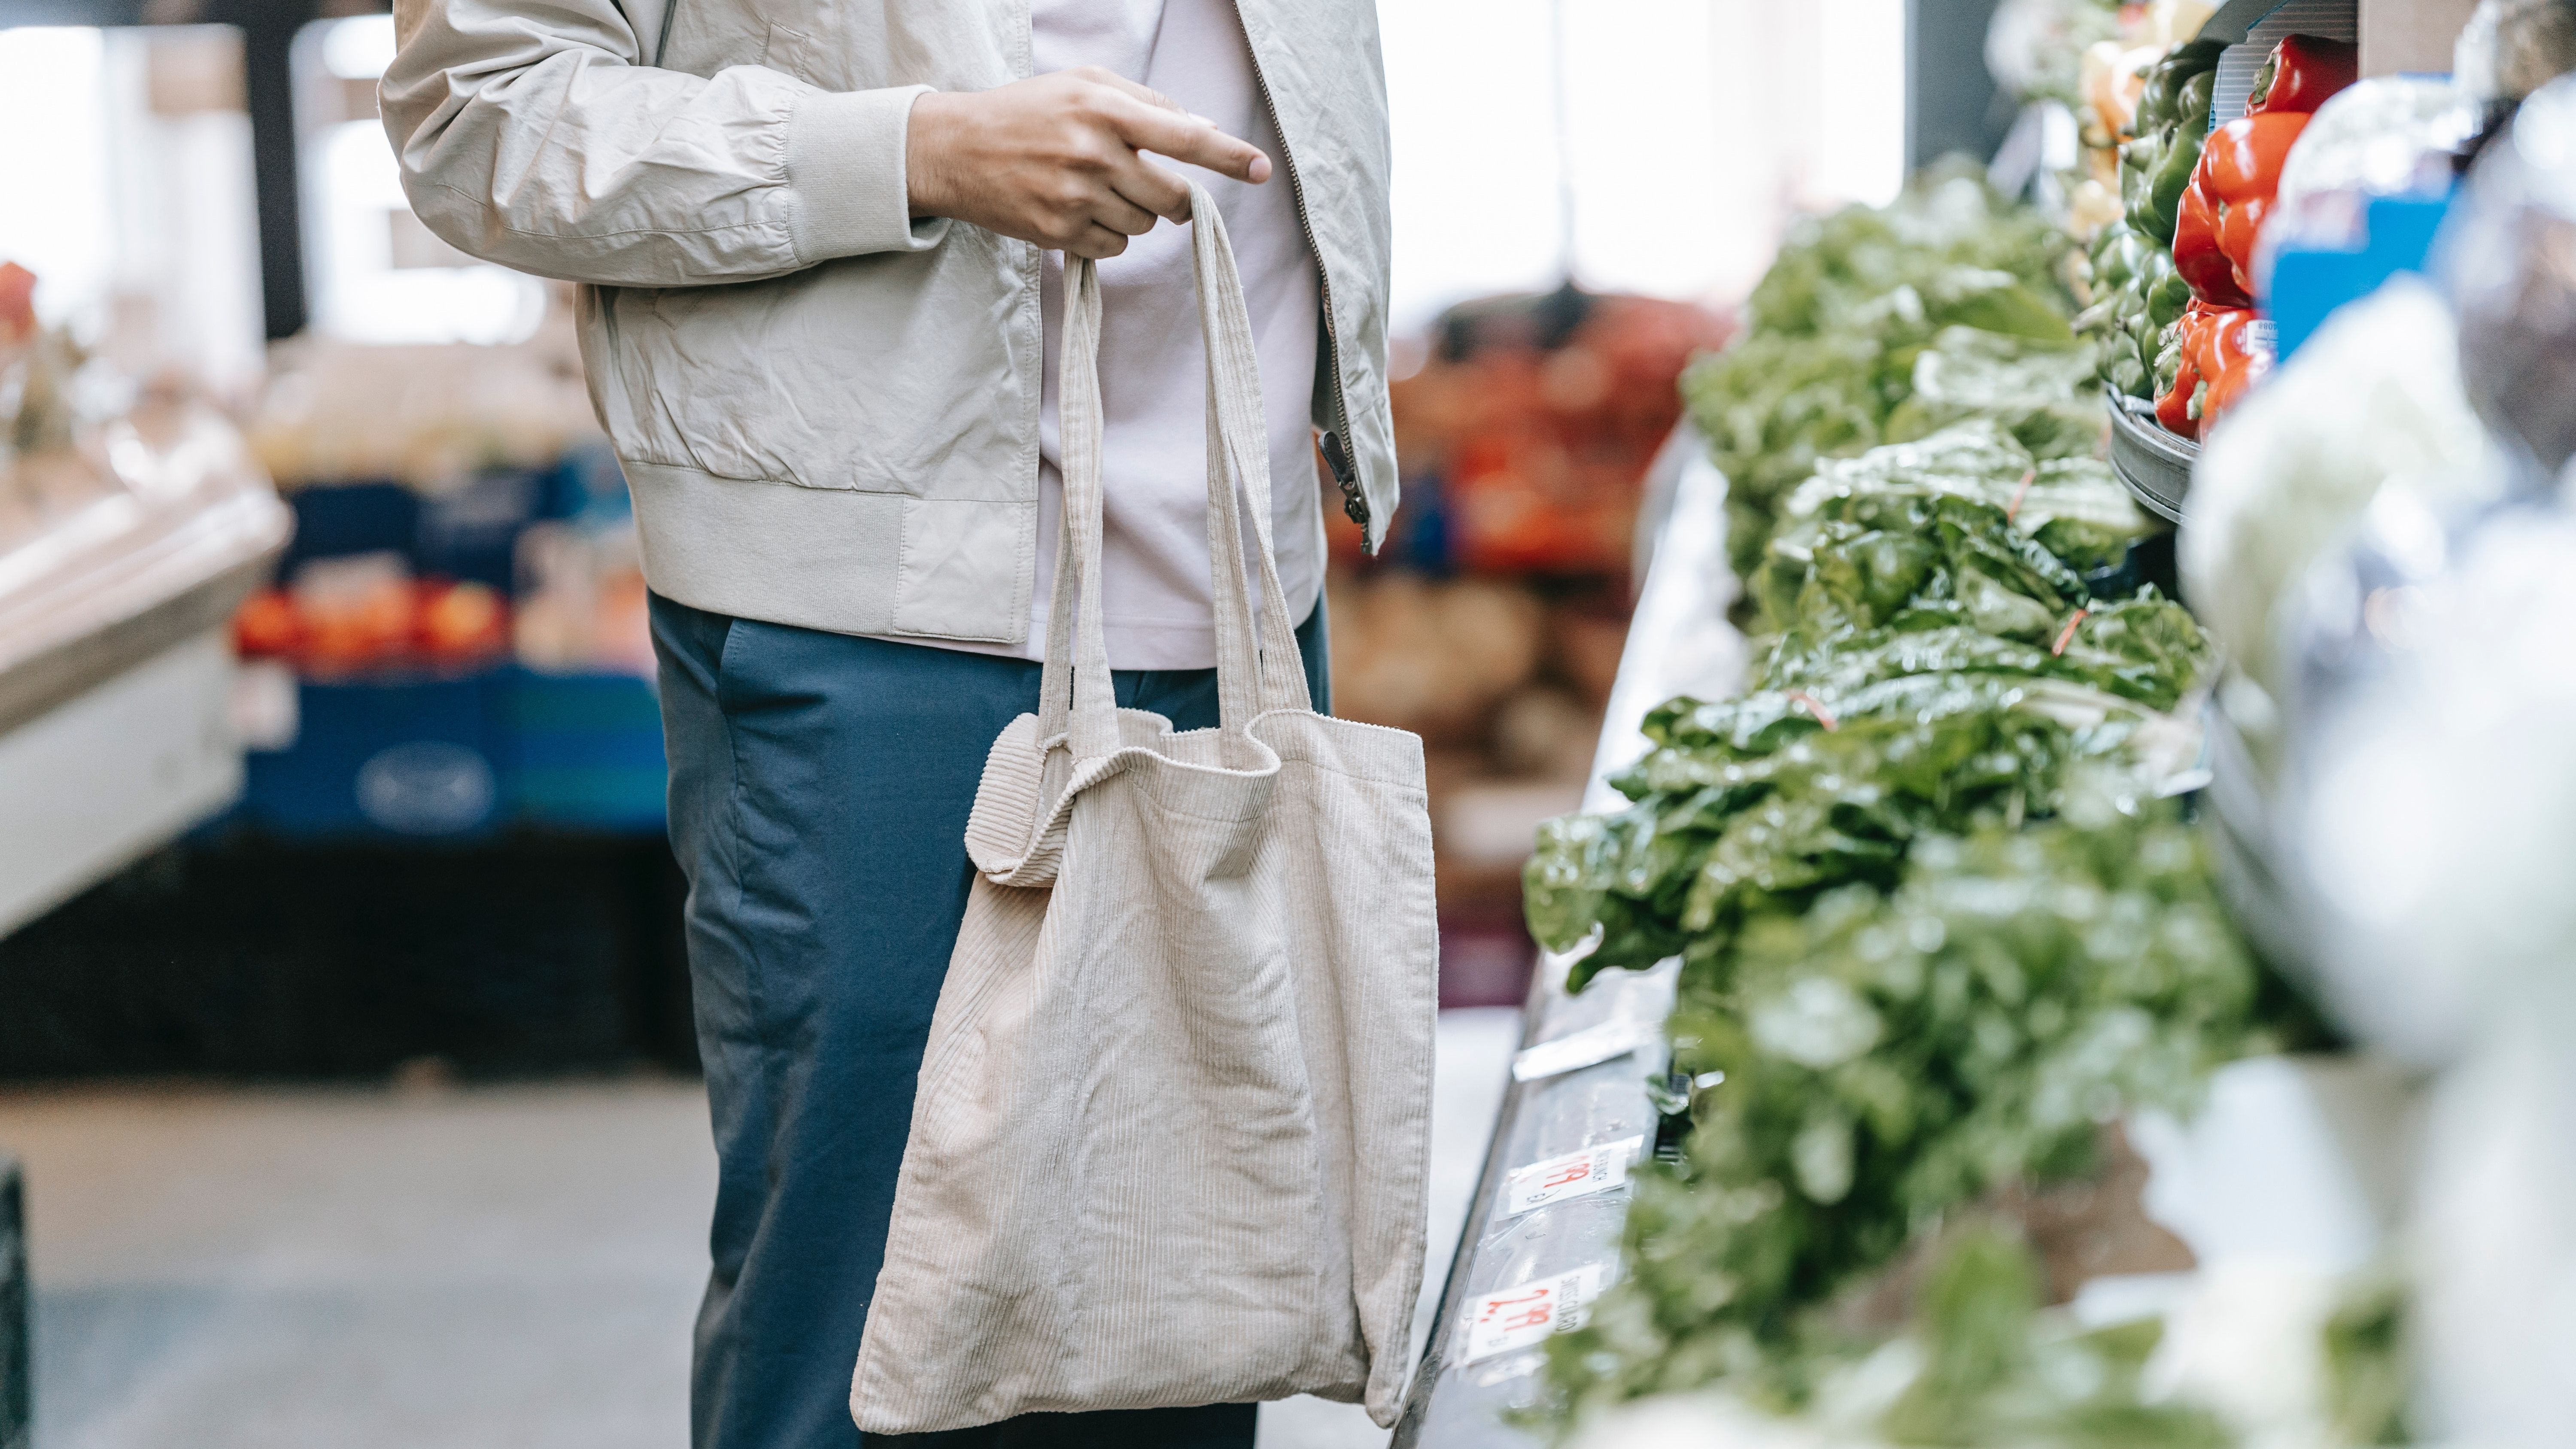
{"x":530,"y":134}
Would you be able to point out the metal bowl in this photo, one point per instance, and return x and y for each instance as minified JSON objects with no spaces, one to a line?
{"x":2154,"y":464}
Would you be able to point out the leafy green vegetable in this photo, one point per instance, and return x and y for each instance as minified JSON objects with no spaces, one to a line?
{"x":2070,"y":509}
{"x":1888,"y":1060}
{"x":1976,"y":459}
{"x":2045,"y":397}
{"x":1837,"y":332}
{"x":1936,"y":668}
{"x":1929,"y":938}
{"x":1772,"y":406}
{"x":1995,"y":1372}
{"x":1946,"y":227}
{"x":2369,"y":1375}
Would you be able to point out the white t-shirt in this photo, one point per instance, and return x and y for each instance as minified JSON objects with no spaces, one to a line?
{"x":1153,"y":368}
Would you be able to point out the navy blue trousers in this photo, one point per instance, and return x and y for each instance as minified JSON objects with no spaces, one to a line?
{"x":819,"y":792}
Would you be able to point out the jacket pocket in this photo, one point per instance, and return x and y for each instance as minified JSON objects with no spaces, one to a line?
{"x":959,"y":575}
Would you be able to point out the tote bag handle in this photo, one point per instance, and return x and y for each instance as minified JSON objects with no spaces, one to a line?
{"x":1258,"y":668}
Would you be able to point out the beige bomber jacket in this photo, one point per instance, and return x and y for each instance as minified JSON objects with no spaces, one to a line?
{"x":827,"y":412}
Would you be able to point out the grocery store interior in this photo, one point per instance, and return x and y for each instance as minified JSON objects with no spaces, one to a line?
{"x":1984,"y":585}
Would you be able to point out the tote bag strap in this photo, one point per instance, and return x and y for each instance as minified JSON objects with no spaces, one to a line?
{"x":1257,"y":670}
{"x":1253,"y":676}
{"x":1075,"y":695}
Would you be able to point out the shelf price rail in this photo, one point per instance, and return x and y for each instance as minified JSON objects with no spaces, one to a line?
{"x":1543,"y":1229}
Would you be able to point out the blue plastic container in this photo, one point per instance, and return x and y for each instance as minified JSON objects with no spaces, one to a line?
{"x":421,"y":757}
{"x":2310,"y":281}
{"x":585,"y":751}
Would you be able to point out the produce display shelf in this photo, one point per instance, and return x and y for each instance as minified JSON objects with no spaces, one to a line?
{"x":97,"y":612}
{"x":115,"y":681}
{"x":1466,"y":1385}
{"x":2153,"y":464}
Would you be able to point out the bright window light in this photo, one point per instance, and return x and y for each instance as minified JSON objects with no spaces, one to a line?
{"x":360,"y":47}
{"x":378,"y":275}
{"x":1693,"y":128}
{"x":57,"y":204}
{"x":1860,"y":152}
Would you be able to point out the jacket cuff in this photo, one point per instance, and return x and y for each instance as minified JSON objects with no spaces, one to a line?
{"x":845,"y":152}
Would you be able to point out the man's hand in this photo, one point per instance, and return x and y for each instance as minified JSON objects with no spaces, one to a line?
{"x":1053,"y":159}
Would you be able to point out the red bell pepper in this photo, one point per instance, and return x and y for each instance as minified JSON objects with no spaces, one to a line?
{"x":2302,"y":71}
{"x":2230,"y":198}
{"x":2220,"y":360}
{"x":2197,"y":256}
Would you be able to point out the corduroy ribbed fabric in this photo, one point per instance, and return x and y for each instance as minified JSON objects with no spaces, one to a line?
{"x":1168,"y":1141}
{"x":820,"y":787}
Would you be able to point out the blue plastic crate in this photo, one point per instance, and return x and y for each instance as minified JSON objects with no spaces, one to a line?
{"x":334,"y":520}
{"x":585,"y":751}
{"x":415,"y":757}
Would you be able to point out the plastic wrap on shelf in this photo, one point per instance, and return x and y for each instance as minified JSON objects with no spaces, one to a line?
{"x":2410,"y":832}
{"x":2434,"y":829}
{"x":2398,"y":574}
{"x":2387,"y":136}
{"x":2376,"y":397}
{"x":2510,"y":282}
{"x":2511,"y":48}
{"x":2362,"y":197}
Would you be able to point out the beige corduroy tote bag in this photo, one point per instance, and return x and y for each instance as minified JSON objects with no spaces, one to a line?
{"x":1169,"y":1142}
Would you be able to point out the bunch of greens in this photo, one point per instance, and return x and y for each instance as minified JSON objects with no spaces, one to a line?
{"x":1836,"y":334}
{"x":2043,"y":396}
{"x":1889,"y":1060}
{"x":1937,"y":237}
{"x":2074,"y":509}
{"x":1937,"y":669}
{"x":1987,"y":1367}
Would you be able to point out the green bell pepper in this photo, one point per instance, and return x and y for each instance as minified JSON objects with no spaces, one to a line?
{"x":2172,"y":122}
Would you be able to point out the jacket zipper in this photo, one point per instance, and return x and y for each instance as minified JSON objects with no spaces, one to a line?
{"x":1336,"y":441}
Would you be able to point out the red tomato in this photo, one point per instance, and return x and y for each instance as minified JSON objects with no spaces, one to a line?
{"x":267,"y":625}
{"x":462,"y":623}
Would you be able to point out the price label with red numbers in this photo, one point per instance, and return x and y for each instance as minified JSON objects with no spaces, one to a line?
{"x":1576,"y":1174}
{"x":1523,"y":1317}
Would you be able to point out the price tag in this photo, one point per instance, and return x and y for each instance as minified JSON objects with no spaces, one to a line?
{"x":1522,"y":1317}
{"x":1589,"y":1047}
{"x":1576,"y":1174}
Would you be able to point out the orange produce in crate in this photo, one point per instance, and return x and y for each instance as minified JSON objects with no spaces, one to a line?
{"x":462,"y":623}
{"x":356,"y":616}
{"x":1540,"y":450}
{"x":267,"y":625}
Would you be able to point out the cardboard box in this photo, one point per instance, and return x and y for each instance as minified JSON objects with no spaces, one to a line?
{"x":2411,"y":36}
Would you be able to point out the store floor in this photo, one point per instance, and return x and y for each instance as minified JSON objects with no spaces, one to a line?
{"x":427,"y":1268}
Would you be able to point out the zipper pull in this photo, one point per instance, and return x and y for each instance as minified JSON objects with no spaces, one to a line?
{"x":1338,"y":458}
